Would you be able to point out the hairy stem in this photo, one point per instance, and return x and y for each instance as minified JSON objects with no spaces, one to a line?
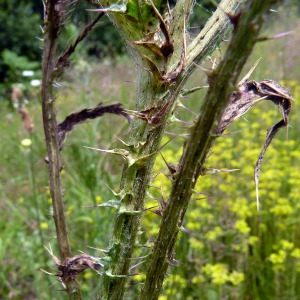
{"x":146,"y":139}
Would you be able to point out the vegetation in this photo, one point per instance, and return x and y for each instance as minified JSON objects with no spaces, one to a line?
{"x":228,"y":248}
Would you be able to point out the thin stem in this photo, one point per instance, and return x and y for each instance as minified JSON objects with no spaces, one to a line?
{"x":54,"y":12}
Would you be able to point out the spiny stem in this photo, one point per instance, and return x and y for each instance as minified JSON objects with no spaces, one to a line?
{"x":54,"y":12}
{"x":201,"y":140}
{"x":135,"y":179}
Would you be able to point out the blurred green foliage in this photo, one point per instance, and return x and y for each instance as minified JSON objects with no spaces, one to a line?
{"x":19,"y":46}
{"x":20,"y":28}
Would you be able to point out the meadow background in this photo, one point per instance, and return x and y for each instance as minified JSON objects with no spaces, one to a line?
{"x":228,"y":249}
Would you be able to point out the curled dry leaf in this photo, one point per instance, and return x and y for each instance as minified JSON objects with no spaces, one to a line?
{"x":72,"y":266}
{"x":85,"y":114}
{"x":249,"y":93}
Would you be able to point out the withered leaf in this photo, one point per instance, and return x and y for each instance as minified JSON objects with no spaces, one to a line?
{"x":85,"y":114}
{"x":248,"y":94}
{"x":72,"y":266}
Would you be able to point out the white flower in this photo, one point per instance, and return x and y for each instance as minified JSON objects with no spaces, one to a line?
{"x":27,"y":73}
{"x":35,"y":82}
{"x":26,"y":142}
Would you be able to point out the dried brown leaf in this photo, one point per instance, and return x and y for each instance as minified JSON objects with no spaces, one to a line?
{"x":249,"y":93}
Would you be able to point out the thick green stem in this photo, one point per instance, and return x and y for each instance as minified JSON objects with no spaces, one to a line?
{"x":222,"y":81}
{"x":146,"y":139}
{"x":51,"y":32}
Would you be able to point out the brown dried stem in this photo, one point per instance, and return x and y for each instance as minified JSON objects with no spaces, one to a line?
{"x":54,"y":11}
{"x":62,"y":62}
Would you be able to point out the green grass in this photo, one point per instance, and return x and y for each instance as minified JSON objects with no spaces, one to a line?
{"x":229,"y":248}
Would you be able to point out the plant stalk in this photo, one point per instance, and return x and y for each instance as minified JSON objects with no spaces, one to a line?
{"x":247,"y":25}
{"x":53,"y":13}
{"x":136,"y":177}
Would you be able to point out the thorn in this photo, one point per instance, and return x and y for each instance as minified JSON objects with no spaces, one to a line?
{"x":130,"y":81}
{"x":245,"y":79}
{"x":111,"y":189}
{"x":144,"y":256}
{"x":167,"y":48}
{"x":184,"y":135}
{"x":186,"y":108}
{"x":48,"y":273}
{"x":182,"y":229}
{"x":215,"y":171}
{"x":234,"y":18}
{"x":174,"y":262}
{"x":187,"y":91}
{"x":210,"y":73}
{"x":174,"y":119}
{"x":170,"y":167}
{"x":136,"y":265}
{"x":121,"y":141}
{"x":276,"y":36}
{"x":98,"y":249}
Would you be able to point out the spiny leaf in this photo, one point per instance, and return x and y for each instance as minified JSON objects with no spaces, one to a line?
{"x":188,"y":91}
{"x":215,"y":171}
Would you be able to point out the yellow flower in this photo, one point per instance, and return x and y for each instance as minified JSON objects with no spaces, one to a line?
{"x":212,"y":235}
{"x":196,"y":244}
{"x":282,"y":208}
{"x":26,"y":142}
{"x":140,"y":277}
{"x":295,"y":253}
{"x":44,"y":225}
{"x":176,"y":279}
{"x":236,"y":277}
{"x":70,"y":209}
{"x":217,"y":272}
{"x":198,"y":279}
{"x":242,"y":226}
{"x":286,"y":245}
{"x":88,"y":274}
{"x":253,"y":240}
{"x":278,"y":258}
{"x":99,"y":200}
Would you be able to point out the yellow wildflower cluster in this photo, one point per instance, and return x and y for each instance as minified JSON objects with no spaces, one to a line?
{"x":227,"y":231}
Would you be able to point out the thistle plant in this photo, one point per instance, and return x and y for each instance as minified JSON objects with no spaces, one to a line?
{"x":164,"y":59}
